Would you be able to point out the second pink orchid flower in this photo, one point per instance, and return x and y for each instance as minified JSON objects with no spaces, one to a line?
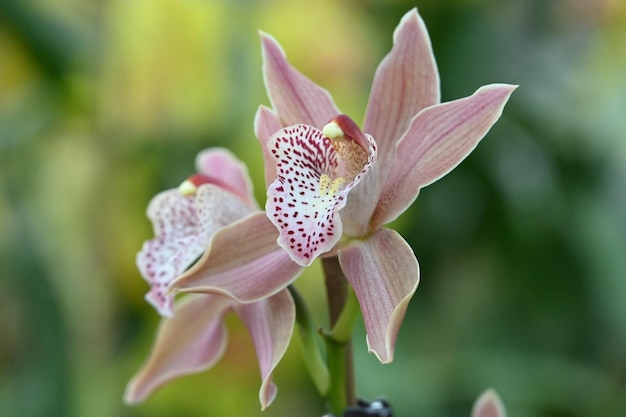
{"x":192,"y":336}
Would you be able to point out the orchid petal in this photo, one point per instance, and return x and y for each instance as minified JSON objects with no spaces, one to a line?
{"x":294,"y":97}
{"x":489,"y":404}
{"x":191,"y":341}
{"x":406,"y":82}
{"x":242,"y":261}
{"x":182,"y":226}
{"x":439,"y":138}
{"x":270,"y":323}
{"x":314,"y":176}
{"x":220,"y":163}
{"x":384,"y":273}
{"x":266,"y":123}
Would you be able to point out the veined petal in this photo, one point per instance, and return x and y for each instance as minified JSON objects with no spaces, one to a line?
{"x":406,"y":82}
{"x":242,"y":261}
{"x":314,"y":176}
{"x":294,"y":97}
{"x":270,"y":323}
{"x":182,"y":226}
{"x":384,"y":273}
{"x":266,"y":123}
{"x":220,"y":163}
{"x":489,"y":404}
{"x":439,"y":138}
{"x":191,"y":341}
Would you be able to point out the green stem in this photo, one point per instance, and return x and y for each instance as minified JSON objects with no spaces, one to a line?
{"x":338,"y":341}
{"x":342,"y":330}
{"x":337,"y":365}
{"x":311,"y":354}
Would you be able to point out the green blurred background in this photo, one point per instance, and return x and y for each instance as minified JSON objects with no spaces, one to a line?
{"x":104,"y":103}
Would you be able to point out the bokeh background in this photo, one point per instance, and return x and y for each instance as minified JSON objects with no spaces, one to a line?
{"x":104,"y":103}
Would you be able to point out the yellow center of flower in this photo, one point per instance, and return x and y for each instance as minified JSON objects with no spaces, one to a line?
{"x":328,"y":186}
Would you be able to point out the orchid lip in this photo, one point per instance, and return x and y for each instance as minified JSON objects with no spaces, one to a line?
{"x":316,"y":169}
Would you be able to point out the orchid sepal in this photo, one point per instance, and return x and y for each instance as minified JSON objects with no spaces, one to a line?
{"x":405,"y":82}
{"x":384,"y":273}
{"x":180,"y":349}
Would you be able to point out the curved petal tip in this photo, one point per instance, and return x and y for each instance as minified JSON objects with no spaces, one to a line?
{"x":489,"y":404}
{"x":384,"y":273}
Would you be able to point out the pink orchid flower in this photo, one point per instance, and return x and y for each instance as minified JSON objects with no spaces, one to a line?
{"x":192,"y":336}
{"x":419,"y":140}
{"x":333,"y":187}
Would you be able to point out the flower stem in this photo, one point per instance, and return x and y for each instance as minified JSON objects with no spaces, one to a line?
{"x":339,"y":349}
{"x":342,"y":330}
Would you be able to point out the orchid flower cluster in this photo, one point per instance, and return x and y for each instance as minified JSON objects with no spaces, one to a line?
{"x":331,"y":189}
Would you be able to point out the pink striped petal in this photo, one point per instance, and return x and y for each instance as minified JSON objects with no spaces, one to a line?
{"x":384,"y":273}
{"x":314,"y":176}
{"x":243,"y":262}
{"x":221,"y":164}
{"x":266,"y":123}
{"x":191,"y":341}
{"x":406,"y":82}
{"x":182,"y":226}
{"x":489,"y":404}
{"x":439,"y":138}
{"x":294,"y":97}
{"x":270,"y":323}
